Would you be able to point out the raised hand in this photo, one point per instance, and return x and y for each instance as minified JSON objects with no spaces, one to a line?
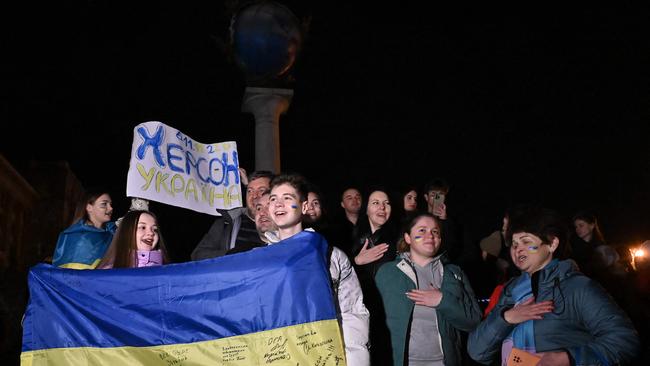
{"x":244,"y":176}
{"x":430,"y":297}
{"x":440,"y":211}
{"x":373,"y":254}
{"x":528,"y":310}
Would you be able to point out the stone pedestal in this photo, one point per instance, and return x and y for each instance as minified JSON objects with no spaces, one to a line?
{"x":267,"y":104}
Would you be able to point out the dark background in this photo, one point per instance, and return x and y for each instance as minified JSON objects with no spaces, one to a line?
{"x":544,"y":105}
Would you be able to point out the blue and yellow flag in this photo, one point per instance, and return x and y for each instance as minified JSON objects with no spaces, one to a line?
{"x":269,"y":306}
{"x":82,"y":246}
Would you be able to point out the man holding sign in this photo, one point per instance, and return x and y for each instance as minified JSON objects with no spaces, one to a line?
{"x":170,"y":167}
{"x":235,"y":227}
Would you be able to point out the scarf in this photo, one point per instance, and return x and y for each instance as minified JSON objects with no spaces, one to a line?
{"x":523,"y":336}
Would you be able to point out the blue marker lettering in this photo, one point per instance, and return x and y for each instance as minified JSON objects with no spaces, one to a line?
{"x":154,"y":141}
{"x":171,"y":157}
{"x":190,"y":162}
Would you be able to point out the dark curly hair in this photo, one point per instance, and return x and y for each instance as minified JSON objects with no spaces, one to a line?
{"x":541,"y":222}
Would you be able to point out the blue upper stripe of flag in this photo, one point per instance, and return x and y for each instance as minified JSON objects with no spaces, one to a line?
{"x":82,"y":243}
{"x":280,"y":285}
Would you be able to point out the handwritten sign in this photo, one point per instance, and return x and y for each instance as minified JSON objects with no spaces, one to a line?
{"x":170,"y":167}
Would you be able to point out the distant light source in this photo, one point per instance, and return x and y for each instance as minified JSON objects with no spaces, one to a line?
{"x":637,"y":254}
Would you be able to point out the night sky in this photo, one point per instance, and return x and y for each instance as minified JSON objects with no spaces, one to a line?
{"x":510,"y":105}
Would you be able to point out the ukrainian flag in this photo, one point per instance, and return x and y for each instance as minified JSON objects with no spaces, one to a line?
{"x":269,"y":306}
{"x":82,"y":246}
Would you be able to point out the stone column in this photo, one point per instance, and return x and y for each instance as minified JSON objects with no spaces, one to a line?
{"x":267,"y":104}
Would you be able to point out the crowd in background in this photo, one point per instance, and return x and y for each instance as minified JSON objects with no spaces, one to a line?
{"x":412,"y":286}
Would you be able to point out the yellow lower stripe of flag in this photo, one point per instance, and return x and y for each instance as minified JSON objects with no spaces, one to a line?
{"x":81,"y":265}
{"x":315,"y":343}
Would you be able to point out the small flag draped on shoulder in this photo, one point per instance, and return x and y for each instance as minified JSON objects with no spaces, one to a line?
{"x":82,"y":246}
{"x":269,"y":306}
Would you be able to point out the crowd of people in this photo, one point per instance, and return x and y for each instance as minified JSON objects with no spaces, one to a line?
{"x":408,"y":282}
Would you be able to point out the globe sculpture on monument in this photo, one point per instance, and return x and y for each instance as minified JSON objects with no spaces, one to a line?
{"x":266,"y":37}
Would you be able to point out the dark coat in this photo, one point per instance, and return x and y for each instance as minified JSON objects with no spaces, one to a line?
{"x":218,"y":240}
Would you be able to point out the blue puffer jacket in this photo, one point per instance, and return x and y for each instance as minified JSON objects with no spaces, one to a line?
{"x":586,"y":322}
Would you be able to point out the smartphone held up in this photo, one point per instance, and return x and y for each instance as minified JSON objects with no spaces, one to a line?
{"x":438,"y":201}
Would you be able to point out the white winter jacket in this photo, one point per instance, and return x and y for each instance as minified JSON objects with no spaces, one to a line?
{"x":351,"y":312}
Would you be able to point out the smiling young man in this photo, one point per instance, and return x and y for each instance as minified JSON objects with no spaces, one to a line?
{"x":287,"y":205}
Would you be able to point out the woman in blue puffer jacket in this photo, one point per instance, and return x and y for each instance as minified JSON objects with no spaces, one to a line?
{"x":551,"y":314}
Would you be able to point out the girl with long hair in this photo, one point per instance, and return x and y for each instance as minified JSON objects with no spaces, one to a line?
{"x":137,"y":243}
